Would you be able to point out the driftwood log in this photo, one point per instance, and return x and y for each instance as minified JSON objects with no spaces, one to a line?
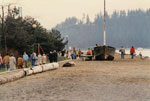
{"x":47,"y":67}
{"x":11,"y":76}
{"x":55,"y":65}
{"x":28,"y":71}
{"x":14,"y":75}
{"x":37,"y":69}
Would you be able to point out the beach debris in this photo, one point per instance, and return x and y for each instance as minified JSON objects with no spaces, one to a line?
{"x":69,"y":64}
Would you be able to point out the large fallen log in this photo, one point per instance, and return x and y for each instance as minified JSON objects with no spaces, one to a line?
{"x":47,"y":67}
{"x":28,"y":71}
{"x":11,"y":77}
{"x":14,"y":75}
{"x":3,"y":80}
{"x":37,"y":69}
{"x":55,"y":65}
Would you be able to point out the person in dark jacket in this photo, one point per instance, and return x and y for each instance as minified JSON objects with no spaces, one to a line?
{"x":63,"y":52}
{"x":55,"y":56}
{"x":51,"y":56}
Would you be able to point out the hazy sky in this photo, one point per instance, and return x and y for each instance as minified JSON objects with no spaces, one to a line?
{"x":52,"y":12}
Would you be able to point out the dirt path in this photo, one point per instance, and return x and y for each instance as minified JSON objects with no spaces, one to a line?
{"x":119,"y":80}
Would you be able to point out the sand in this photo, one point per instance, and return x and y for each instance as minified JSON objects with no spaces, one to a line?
{"x":118,"y":80}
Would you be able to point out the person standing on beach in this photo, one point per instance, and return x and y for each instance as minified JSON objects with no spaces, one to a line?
{"x":12,"y":62}
{"x":89,"y":51}
{"x":55,"y":56}
{"x":132,"y":52}
{"x":63,"y":52}
{"x":25,"y":59}
{"x":122,"y":50}
{"x":44,"y":59}
{"x":40,"y":59}
{"x":6,"y":61}
{"x":74,"y":55}
{"x":36,"y":60}
{"x":32,"y":57}
{"x":51,"y":56}
{"x":1,"y":61}
{"x":140,"y":54}
{"x":20,"y":62}
{"x":80,"y":52}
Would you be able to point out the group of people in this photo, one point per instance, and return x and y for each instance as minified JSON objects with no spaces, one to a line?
{"x":74,"y":54}
{"x":53,"y":56}
{"x":37,"y":59}
{"x":132,"y":52}
{"x":10,"y":62}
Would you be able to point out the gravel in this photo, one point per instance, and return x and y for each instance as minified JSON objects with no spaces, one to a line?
{"x":118,"y":80}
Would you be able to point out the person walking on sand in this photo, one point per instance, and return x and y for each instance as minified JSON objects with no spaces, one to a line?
{"x":122,"y":50}
{"x":6,"y":61}
{"x":25,"y":59}
{"x":1,"y":61}
{"x":132,"y":52}
{"x":12,"y":62}
{"x":20,"y":62}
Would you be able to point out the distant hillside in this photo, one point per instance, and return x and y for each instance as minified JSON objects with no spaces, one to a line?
{"x":122,"y":29}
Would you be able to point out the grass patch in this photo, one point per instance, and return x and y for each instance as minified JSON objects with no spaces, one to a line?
{"x":29,"y":62}
{"x":2,"y":70}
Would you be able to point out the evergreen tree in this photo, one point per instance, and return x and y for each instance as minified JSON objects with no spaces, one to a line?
{"x":122,"y":29}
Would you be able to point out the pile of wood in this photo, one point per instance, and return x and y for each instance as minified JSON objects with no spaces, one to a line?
{"x":14,"y":75}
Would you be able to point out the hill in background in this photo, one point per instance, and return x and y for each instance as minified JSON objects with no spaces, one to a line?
{"x":126,"y":29}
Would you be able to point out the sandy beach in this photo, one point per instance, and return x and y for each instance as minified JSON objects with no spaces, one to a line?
{"x":118,"y":80}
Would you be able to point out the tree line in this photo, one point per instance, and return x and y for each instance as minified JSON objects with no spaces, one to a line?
{"x":25,"y":33}
{"x":126,"y":29}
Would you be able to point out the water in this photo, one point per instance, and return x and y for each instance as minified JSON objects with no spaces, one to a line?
{"x":145,"y":52}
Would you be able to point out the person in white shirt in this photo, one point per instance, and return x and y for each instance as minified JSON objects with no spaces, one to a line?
{"x":44,"y":59}
{"x":40,"y":59}
{"x":12,"y":62}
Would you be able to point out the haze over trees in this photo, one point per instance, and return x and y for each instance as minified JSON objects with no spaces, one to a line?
{"x":122,"y":29}
{"x":22,"y":36}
